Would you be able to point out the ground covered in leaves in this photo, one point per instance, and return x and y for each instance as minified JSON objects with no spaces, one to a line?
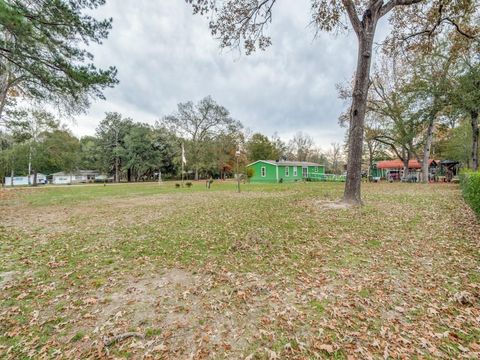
{"x":277,"y":271}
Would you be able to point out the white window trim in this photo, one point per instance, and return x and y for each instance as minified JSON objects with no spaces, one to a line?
{"x":263,"y":171}
{"x":295,"y":171}
{"x":287,"y":171}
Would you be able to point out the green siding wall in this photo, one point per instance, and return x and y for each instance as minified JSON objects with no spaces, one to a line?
{"x":271,"y":172}
{"x":282,"y":169}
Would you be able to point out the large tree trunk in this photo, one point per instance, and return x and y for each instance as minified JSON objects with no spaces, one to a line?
{"x":3,"y":94}
{"x":357,"y":116}
{"x":5,"y":83}
{"x":196,"y":173}
{"x":426,"y":150}
{"x":475,"y":131}
{"x":406,"y":160}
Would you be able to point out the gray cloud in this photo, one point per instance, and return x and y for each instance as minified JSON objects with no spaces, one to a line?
{"x":165,"y":55}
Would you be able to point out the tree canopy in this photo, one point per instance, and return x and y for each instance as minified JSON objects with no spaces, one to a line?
{"x":43,"y":52}
{"x":243,"y":24}
{"x":199,"y":123}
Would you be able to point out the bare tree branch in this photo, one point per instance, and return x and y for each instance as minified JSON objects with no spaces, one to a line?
{"x":352,"y":15}
{"x":392,"y":3}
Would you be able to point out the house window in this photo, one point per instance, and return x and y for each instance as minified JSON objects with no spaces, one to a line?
{"x":295,"y":171}
{"x":287,"y":171}
{"x":264,"y":171}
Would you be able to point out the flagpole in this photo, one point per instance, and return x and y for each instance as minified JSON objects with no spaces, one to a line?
{"x":183,"y":161}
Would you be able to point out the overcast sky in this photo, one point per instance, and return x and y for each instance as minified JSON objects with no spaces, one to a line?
{"x":165,"y":55}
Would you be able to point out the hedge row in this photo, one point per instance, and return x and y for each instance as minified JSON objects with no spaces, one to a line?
{"x":470,"y":183}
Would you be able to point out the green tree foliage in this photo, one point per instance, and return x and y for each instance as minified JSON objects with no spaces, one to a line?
{"x":223,"y":152}
{"x":456,"y":144}
{"x":29,"y":127}
{"x":465,"y":97}
{"x":43,"y":52}
{"x":13,"y":156}
{"x":58,"y":151}
{"x":259,"y":147}
{"x":393,"y":121}
{"x":89,"y":153}
{"x":141,"y":153}
{"x":470,"y":183}
{"x":111,"y":134}
{"x":132,"y":151}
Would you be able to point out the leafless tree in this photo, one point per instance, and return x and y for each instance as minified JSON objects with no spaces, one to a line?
{"x":198,"y":122}
{"x":301,"y":146}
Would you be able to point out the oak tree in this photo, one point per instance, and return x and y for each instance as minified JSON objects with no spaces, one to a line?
{"x":243,"y":23}
{"x":198,"y":123}
{"x":466,"y":98}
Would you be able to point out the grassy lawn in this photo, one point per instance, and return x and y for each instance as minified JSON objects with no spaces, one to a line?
{"x":277,"y":271}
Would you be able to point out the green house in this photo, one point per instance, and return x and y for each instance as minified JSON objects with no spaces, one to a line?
{"x":271,"y":171}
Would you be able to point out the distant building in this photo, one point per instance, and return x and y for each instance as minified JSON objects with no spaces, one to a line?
{"x":25,"y":180}
{"x":284,"y":171}
{"x":75,"y":177}
{"x":393,"y":170}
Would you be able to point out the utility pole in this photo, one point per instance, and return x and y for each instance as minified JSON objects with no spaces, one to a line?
{"x":184,"y":161}
{"x":237,"y":155}
{"x":117,"y":180}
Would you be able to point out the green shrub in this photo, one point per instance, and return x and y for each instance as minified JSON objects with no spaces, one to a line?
{"x":470,"y":184}
{"x":188,"y":184}
{"x":250,"y":172}
{"x":177,"y":185}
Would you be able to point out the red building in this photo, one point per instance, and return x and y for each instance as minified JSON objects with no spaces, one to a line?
{"x":393,"y":169}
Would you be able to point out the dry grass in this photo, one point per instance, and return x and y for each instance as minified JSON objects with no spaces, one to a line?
{"x":278,"y":271}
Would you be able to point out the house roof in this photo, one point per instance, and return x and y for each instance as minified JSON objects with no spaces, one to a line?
{"x":287,"y":163}
{"x":78,"y":172}
{"x":398,"y":164}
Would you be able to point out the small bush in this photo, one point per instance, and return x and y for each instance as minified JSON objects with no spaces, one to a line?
{"x":470,"y":184}
{"x":188,"y":184}
{"x":177,"y":185}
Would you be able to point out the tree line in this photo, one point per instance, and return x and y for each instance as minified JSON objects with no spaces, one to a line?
{"x":34,"y":141}
{"x":44,"y":58}
{"x":425,"y":105}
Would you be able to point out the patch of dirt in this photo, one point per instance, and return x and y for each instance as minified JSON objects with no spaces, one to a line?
{"x":331,"y":205}
{"x":6,"y":194}
{"x":179,"y":313}
{"x":6,"y":277}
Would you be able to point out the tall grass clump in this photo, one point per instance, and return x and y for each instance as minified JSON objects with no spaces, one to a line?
{"x":470,"y":184}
